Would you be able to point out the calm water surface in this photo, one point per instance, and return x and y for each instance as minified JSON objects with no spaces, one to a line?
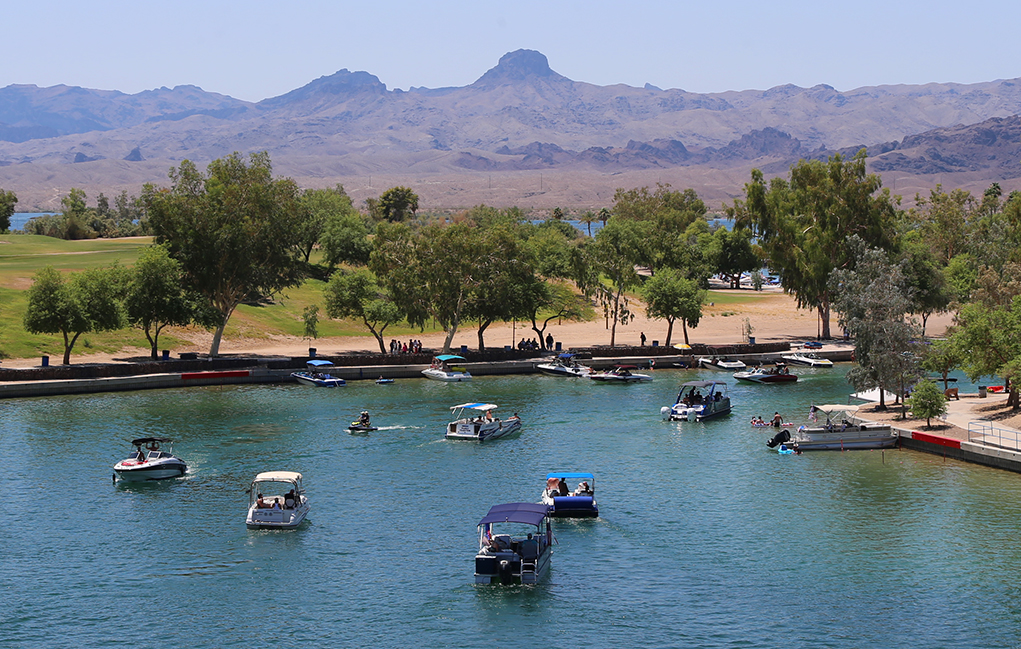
{"x":706,"y":539}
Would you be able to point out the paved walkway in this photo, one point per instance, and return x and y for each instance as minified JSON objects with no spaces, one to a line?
{"x":961,"y":413}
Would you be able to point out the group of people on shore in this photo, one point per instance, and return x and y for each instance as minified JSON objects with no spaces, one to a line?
{"x":533,"y":344}
{"x":410,"y":347}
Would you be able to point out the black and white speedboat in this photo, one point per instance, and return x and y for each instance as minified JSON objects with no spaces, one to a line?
{"x":150,"y":461}
{"x":564,"y":365}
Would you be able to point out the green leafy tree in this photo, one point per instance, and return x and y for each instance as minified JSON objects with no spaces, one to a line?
{"x":927,"y":401}
{"x":989,"y":335}
{"x":612,"y":257}
{"x":86,"y":302}
{"x":668,"y":213}
{"x":310,"y":317}
{"x":943,"y":220}
{"x":558,"y":214}
{"x":803,"y":223}
{"x":432,"y":275}
{"x":732,"y":254}
{"x":942,"y":357}
{"x":317,"y":208}
{"x":235,"y":230}
{"x":872,"y":299}
{"x":7,"y":202}
{"x":345,"y":239}
{"x":358,"y":294}
{"x":398,"y":204}
{"x":929,"y":290}
{"x":671,"y":296}
{"x":500,"y":290}
{"x":155,"y":298}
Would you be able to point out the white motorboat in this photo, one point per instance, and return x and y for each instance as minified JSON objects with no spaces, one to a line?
{"x":442,"y":370}
{"x":150,"y":461}
{"x":283,"y":510}
{"x":808,"y":359}
{"x":318,"y":375}
{"x":620,"y":374}
{"x":778,"y":374}
{"x":564,"y":503}
{"x":698,"y":400}
{"x":838,"y":433}
{"x":717,"y":363}
{"x":482,"y":426}
{"x":564,"y":365}
{"x":515,"y":544}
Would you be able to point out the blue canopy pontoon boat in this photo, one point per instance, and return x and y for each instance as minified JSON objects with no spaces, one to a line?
{"x":515,"y":544}
{"x":565,"y":503}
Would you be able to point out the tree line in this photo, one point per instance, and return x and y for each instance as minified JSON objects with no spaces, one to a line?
{"x":837,"y":239}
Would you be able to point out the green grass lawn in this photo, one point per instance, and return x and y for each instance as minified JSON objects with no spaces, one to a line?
{"x":22,"y":256}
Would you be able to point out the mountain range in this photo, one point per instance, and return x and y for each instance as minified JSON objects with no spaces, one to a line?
{"x":518,"y":118}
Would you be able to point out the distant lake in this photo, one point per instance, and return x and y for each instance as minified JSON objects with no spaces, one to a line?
{"x":19,"y":219}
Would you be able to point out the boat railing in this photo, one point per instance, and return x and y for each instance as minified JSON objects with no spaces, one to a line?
{"x":985,"y":433}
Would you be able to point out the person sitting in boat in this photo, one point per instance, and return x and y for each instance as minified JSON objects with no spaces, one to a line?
{"x":489,"y":415}
{"x":562,"y":489}
{"x":289,"y":499}
{"x":492,"y":545}
{"x":276,"y":504}
{"x":260,"y":503}
{"x":583,"y":489}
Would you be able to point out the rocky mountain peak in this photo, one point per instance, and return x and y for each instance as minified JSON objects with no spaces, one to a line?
{"x":517,"y":66}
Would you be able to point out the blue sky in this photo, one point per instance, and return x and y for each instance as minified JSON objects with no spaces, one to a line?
{"x":256,"y":49}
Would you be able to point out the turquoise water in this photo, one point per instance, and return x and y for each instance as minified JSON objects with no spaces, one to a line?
{"x":706,"y":538}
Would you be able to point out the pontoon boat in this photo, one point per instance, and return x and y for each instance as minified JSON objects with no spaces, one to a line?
{"x":515,"y":544}
{"x":482,"y":426}
{"x":838,"y":433}
{"x":565,"y":503}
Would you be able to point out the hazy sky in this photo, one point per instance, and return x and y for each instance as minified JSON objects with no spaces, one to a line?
{"x":256,"y":49}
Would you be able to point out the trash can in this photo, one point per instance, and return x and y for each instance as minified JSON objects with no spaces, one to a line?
{"x":655,"y":343}
{"x":558,"y":347}
{"x":311,"y":352}
{"x":464,"y":349}
{"x":507,"y":348}
{"x":981,"y":390}
{"x":166,"y":354}
{"x":751,"y":340}
{"x":46,"y":361}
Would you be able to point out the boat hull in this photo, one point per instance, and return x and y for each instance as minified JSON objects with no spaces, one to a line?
{"x":142,"y":473}
{"x":682,"y":412}
{"x":317,"y":382}
{"x":560,"y":370}
{"x":571,"y":506}
{"x":609,"y":378}
{"x":808,"y":361}
{"x":449,"y":377}
{"x":864,"y":436}
{"x":482,"y":431}
{"x":277,"y":519}
{"x":755,"y":377}
{"x":506,"y":568}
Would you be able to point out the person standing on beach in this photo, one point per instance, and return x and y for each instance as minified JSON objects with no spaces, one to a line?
{"x":642,"y":337}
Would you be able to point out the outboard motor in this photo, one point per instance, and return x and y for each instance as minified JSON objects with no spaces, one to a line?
{"x":507,"y":569}
{"x":779,"y":438}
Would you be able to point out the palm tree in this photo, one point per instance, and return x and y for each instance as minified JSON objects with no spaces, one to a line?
{"x":588,"y":218}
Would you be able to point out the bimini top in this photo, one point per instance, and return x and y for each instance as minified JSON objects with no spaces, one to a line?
{"x":566,"y":356}
{"x":572,"y":476}
{"x":837,"y":407}
{"x":449,"y":357}
{"x":527,"y":513}
{"x":278,"y":476}
{"x":701,"y":384}
{"x":476,"y":406}
{"x":319,"y":363}
{"x":147,"y":440}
